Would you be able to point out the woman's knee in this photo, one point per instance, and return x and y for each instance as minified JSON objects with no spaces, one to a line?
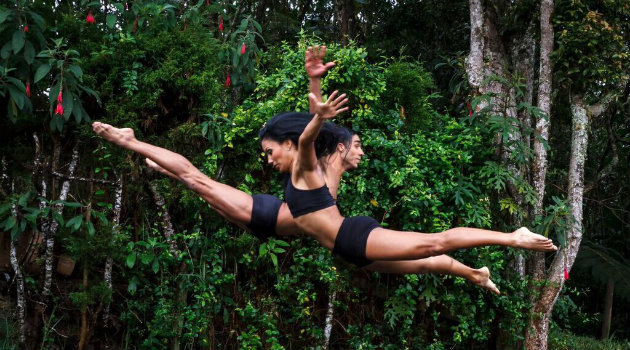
{"x":431,"y":244}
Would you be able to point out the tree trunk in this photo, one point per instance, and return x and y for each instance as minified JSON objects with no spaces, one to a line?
{"x":474,"y":61}
{"x":166,"y":218}
{"x":19,"y":282}
{"x":344,"y":13}
{"x":329,"y":319}
{"x":4,"y":177}
{"x":180,"y":294}
{"x":115,"y":231}
{"x":38,"y":171}
{"x":50,"y":239}
{"x":608,"y":303}
{"x":539,"y":166}
{"x":84,"y":321}
{"x":537,"y":333}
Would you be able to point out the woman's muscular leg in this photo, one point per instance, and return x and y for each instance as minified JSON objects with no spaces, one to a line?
{"x":231,"y":203}
{"x":441,"y":264}
{"x":384,"y":244}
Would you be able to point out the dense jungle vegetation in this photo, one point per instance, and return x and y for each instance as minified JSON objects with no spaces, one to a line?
{"x":97,"y":251}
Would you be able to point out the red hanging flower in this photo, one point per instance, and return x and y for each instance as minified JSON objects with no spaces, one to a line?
{"x":59,"y":97}
{"x":228,"y":82}
{"x":221,"y":23}
{"x":59,"y":109}
{"x":566,"y":274}
{"x":25,"y":28}
{"x":208,"y":2}
{"x":469,"y":109}
{"x":243,"y":49}
{"x":90,"y":18}
{"x":28,"y":89}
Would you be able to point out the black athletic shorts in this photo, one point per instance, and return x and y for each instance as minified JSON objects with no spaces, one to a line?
{"x":352,"y":239}
{"x":264,"y":215}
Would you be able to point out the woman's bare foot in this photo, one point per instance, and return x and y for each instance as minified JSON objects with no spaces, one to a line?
{"x":526,"y":239}
{"x":119,"y":137}
{"x":482,"y":279}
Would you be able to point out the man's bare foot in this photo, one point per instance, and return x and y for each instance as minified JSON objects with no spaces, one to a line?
{"x":526,"y":239}
{"x":483,"y":280}
{"x":119,"y":137}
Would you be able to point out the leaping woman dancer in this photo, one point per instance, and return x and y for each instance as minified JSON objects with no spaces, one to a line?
{"x":265,"y":215}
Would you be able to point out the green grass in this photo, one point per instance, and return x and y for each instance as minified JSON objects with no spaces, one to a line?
{"x":570,"y":341}
{"x":7,"y":334}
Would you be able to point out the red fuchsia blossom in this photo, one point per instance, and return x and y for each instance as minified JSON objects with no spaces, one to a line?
{"x":28,"y":89}
{"x":228,"y":82}
{"x":25,"y":28}
{"x":59,"y":109}
{"x":59,"y":97}
{"x":566,"y":274}
{"x":221,"y":23}
{"x":243,"y":49}
{"x":90,"y":18}
{"x":469,"y":109}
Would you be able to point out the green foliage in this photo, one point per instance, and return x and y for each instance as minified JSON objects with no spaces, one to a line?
{"x":8,"y":336}
{"x":425,"y":179}
{"x":592,"y":54}
{"x":409,"y":87}
{"x":559,"y":340}
{"x":159,"y":67}
{"x":606,"y":264}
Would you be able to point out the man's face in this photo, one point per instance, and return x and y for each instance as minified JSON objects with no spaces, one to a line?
{"x":354,"y":154}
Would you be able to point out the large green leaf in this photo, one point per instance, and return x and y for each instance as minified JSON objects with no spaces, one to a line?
{"x":17,"y":96}
{"x":4,"y":14}
{"x":41,"y":72}
{"x":17,"y":43}
{"x":29,"y":52}
{"x":110,"y":20}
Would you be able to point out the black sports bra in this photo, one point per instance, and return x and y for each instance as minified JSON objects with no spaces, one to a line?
{"x":303,"y":202}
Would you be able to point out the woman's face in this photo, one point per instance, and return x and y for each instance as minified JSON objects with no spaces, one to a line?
{"x":279,"y":155}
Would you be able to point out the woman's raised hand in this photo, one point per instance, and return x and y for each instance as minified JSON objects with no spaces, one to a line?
{"x":330,"y":108}
{"x":314,"y":61}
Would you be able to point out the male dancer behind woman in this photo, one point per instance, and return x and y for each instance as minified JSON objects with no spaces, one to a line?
{"x":239,"y":208}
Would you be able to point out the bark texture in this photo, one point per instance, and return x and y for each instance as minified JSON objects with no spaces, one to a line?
{"x":539,"y":166}
{"x":115,"y":231}
{"x":344,"y":13}
{"x":329,"y":319}
{"x":19,"y":283}
{"x":54,"y":226}
{"x":158,"y":199}
{"x":538,"y":330}
{"x":608,"y":304}
{"x":544,"y":102}
{"x":474,"y":61}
